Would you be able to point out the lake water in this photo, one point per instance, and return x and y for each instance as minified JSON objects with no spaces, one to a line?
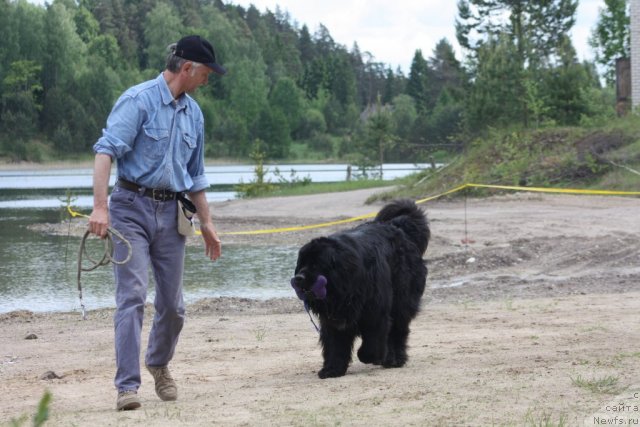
{"x":38,"y":271}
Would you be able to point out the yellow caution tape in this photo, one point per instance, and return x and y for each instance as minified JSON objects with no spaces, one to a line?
{"x":446,"y":193}
{"x":299,"y":228}
{"x":74,"y":213}
{"x":559,"y":190}
{"x":420,"y":201}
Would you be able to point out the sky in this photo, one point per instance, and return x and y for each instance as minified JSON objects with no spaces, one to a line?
{"x":392,"y":30}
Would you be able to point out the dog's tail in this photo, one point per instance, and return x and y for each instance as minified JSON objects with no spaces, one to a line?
{"x":407,"y":216}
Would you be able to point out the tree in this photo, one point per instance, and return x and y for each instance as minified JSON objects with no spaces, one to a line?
{"x":21,"y":100}
{"x":105,"y":47}
{"x":565,"y":86}
{"x":392,"y":87}
{"x":611,"y":38}
{"x":281,"y":51}
{"x":495,"y":97}
{"x":289,"y":99}
{"x":312,"y":123}
{"x":447,"y":72}
{"x":535,"y":30}
{"x":247,"y":87}
{"x":341,"y":79}
{"x":274,"y":130}
{"x":305,"y":46}
{"x":323,"y":41}
{"x":64,"y":63}
{"x":373,"y":82}
{"x":379,"y":135}
{"x":87,"y":26}
{"x":536,"y":27}
{"x":403,"y":115}
{"x":65,"y":51}
{"x":161,"y":28}
{"x":27,"y":36}
{"x":23,"y":76}
{"x":445,"y":120}
{"x":418,"y":81}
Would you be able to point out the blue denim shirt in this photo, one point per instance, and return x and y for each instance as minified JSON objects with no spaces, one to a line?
{"x":158,"y":142}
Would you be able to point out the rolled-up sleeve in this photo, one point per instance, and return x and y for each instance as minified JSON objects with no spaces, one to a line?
{"x":195,"y":167}
{"x":122,"y":127}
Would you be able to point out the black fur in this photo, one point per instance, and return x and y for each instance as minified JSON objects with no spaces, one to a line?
{"x":375,"y":280}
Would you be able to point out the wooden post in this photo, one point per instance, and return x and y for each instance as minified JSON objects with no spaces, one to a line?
{"x":623,"y":86}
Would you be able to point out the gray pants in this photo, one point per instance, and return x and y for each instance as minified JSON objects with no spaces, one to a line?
{"x":151,"y":228}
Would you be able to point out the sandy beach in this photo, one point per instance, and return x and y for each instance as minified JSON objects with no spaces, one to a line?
{"x":531,"y":317}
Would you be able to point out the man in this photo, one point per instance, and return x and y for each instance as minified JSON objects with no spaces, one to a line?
{"x":156,"y":134}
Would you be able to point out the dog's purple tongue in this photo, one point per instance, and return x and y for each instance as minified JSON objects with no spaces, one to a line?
{"x":295,"y":287}
{"x":319,"y":288}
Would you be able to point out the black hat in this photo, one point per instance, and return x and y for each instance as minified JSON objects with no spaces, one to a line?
{"x":197,"y":49}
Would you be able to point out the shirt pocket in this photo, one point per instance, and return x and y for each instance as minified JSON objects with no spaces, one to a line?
{"x":155,"y":141}
{"x":187,"y":146}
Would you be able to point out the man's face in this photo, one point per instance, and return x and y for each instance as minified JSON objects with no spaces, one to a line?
{"x":198,"y":75}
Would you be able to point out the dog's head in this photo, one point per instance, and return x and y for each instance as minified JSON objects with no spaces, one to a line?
{"x":315,"y":261}
{"x":317,"y":291}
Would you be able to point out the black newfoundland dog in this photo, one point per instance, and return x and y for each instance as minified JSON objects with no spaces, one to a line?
{"x":367,"y":282}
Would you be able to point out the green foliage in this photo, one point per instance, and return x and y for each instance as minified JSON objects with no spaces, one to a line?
{"x":273,"y":129}
{"x":603,"y":385}
{"x":403,"y":115}
{"x":162,"y":24}
{"x":605,"y":158}
{"x":544,"y":419}
{"x":536,"y":28}
{"x":418,"y":82}
{"x":41,"y":415}
{"x":611,"y":38}
{"x":22,"y":76}
{"x":509,"y":42}
{"x":495,"y":98}
{"x":289,"y":100}
{"x":260,"y":186}
{"x":329,"y":187}
{"x":62,"y":65}
{"x":64,"y":49}
{"x":43,"y":410}
{"x":311,"y":124}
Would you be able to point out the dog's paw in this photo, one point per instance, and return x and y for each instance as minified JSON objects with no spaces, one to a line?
{"x":331,"y":372}
{"x":368,"y":357}
{"x":394,"y":361}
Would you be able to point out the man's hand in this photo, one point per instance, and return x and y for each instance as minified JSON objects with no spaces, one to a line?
{"x":99,"y":222}
{"x":212,"y":245}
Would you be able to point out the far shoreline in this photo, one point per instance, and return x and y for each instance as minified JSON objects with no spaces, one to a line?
{"x":212,"y":304}
{"x":88,"y":164}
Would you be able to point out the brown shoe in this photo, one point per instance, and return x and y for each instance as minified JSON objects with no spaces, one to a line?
{"x":127,"y":400}
{"x":166,"y":388}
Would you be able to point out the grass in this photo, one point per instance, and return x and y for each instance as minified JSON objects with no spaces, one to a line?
{"x":41,"y":415}
{"x":588,"y":158}
{"x":532,"y":419}
{"x":303,"y":189}
{"x":330,"y":187}
{"x":509,"y":305}
{"x":603,"y":385}
{"x":260,"y":333}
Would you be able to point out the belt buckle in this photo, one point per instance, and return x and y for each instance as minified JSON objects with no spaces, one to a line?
{"x":159,"y":195}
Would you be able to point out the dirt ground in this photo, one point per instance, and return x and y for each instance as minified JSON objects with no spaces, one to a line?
{"x":531,"y":317}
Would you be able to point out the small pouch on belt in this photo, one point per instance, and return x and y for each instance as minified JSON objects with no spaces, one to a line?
{"x":186,"y":210}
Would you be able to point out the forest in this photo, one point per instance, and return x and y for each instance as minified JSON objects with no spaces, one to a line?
{"x":296,"y":94}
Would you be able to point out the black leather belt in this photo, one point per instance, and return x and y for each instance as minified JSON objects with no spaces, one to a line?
{"x":159,"y":195}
